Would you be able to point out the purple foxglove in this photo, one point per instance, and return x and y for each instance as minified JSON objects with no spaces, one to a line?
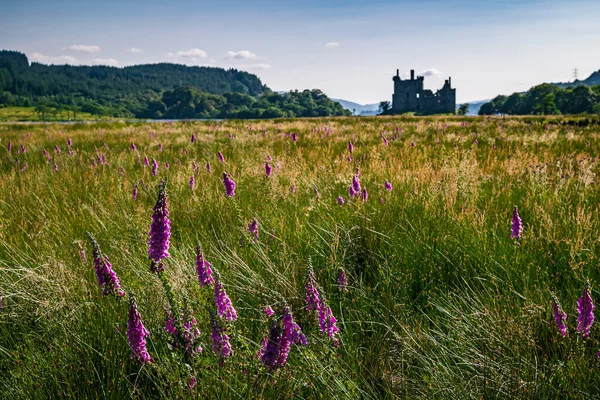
{"x":225,"y":309}
{"x":229,"y":185}
{"x":585,"y":308}
{"x":220,"y":341}
{"x":203,"y":268}
{"x":516,"y":226}
{"x":253,"y":229}
{"x":342,"y":280}
{"x":560,"y":317}
{"x":106,"y":276}
{"x":160,"y":228}
{"x":136,"y":334}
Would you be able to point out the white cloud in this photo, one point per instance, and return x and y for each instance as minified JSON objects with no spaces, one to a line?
{"x":191,"y":53}
{"x":134,"y":50}
{"x":430,"y":72}
{"x":332,"y":45}
{"x":111,"y":62}
{"x":255,"y":66}
{"x":82,"y":48}
{"x":58,"y":60}
{"x":241,"y":55}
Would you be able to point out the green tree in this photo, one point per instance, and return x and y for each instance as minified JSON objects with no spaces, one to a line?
{"x":487,"y":109}
{"x":463,"y":109}
{"x":384,"y":107}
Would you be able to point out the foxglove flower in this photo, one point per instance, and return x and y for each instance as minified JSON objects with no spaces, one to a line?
{"x":585,"y":308}
{"x":193,"y":138}
{"x":364,"y":195}
{"x":385,"y":141}
{"x":184,"y":332}
{"x":221,"y":158}
{"x":146,"y":161}
{"x":160,"y":230}
{"x":220,"y":341}
{"x":192,"y":182}
{"x":154,"y":167}
{"x":135,"y":191}
{"x":253,"y":229}
{"x":313,"y":298}
{"x":57,"y":149}
{"x":203,"y":268}
{"x":160,"y":147}
{"x":328,"y":323}
{"x":560,"y":317}
{"x":294,"y":137}
{"x":269,"y":311}
{"x":167,"y":165}
{"x":133,"y":147}
{"x":208,"y":168}
{"x":290,"y":334}
{"x":516,"y":226}
{"x":342,"y":280}
{"x":340,"y":200}
{"x":9,"y":146}
{"x":23,"y":149}
{"x":350,"y":147}
{"x":268,"y":169}
{"x":388,"y":186}
{"x":355,"y":185}
{"x":229,"y":185}
{"x":107,"y":278}
{"x":269,"y":351}
{"x":352,"y":192}
{"x":69,"y":142}
{"x":225,"y":309}
{"x":277,"y":344}
{"x":136,"y":334}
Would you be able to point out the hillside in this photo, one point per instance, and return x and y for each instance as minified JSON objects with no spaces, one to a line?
{"x":150,"y":91}
{"x":592,"y":80}
{"x":547,"y":99}
{"x":358,"y":109}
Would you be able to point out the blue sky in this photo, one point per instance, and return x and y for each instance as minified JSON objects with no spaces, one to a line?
{"x":349,"y":49}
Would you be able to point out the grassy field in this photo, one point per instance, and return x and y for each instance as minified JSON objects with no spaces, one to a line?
{"x":26,"y":114}
{"x":440,"y":302}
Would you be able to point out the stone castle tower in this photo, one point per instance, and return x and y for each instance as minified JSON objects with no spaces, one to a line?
{"x":409,"y":95}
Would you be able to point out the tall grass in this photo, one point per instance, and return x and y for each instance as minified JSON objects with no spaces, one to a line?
{"x":441,"y":303}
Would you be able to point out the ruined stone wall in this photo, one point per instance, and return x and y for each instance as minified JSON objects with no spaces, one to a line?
{"x":409,"y":95}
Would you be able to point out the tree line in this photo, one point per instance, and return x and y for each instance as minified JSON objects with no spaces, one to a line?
{"x":150,"y":91}
{"x":546,"y":99}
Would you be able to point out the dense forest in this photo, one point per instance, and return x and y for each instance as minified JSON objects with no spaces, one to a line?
{"x":546,"y":99}
{"x":151,"y":91}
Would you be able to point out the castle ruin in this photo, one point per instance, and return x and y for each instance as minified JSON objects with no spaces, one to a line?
{"x":409,"y":95}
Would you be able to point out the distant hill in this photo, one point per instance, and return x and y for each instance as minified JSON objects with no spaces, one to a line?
{"x":474,"y":106}
{"x":161,"y":90}
{"x":20,"y":78}
{"x":362,"y":109}
{"x":592,"y":80}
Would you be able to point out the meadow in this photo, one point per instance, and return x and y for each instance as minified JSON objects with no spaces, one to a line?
{"x":440,"y":301}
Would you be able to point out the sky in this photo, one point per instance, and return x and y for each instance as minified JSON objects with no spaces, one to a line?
{"x":349,"y":49}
